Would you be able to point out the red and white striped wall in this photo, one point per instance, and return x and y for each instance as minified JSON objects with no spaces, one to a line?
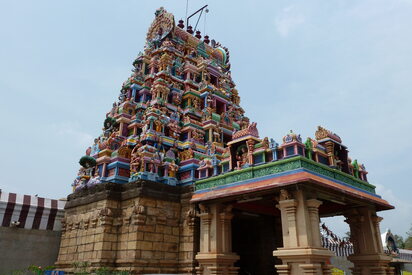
{"x":340,"y":249}
{"x":30,"y":212}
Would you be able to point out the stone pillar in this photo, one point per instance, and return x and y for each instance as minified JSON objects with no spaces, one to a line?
{"x":226,"y":221}
{"x":205,"y":219}
{"x":302,"y":252}
{"x":330,"y":150}
{"x":368,"y":257}
{"x":313,"y":209}
{"x":124,"y":123}
{"x":232,"y":158}
{"x":215,"y":256}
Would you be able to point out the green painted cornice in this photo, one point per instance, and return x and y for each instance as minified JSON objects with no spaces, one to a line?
{"x":281,"y":166}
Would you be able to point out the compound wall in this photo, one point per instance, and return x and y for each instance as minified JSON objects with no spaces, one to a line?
{"x":20,"y":248}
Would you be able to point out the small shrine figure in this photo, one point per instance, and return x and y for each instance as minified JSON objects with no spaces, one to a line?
{"x":78,"y":180}
{"x":174,"y":129}
{"x":216,"y":137}
{"x":309,"y":148}
{"x":173,"y":168}
{"x":95,"y":147}
{"x":114,"y":110}
{"x":82,"y":178}
{"x":139,"y":115}
{"x":136,"y":164}
{"x":151,"y":167}
{"x":355,"y":168}
{"x":177,"y":100}
{"x":95,"y":179}
{"x":241,"y":157}
{"x":186,"y":120}
{"x":158,"y":125}
{"x":338,"y":162}
{"x":196,"y":104}
{"x":170,"y":154}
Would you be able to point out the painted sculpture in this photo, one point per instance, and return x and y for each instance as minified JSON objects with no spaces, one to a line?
{"x":178,"y":119}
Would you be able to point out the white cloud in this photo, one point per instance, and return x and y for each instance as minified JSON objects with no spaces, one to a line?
{"x":289,"y":19}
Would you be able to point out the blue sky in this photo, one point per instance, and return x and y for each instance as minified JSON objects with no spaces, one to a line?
{"x":342,"y":64}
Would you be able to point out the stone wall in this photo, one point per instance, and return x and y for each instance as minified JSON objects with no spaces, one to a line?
{"x":142,"y":227}
{"x":20,"y":248}
{"x":189,"y":235}
{"x":148,"y":239}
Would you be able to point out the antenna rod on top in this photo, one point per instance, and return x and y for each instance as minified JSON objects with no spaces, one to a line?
{"x":197,"y":22}
{"x":201,"y":9}
{"x":204,"y":23}
{"x":187,"y":6}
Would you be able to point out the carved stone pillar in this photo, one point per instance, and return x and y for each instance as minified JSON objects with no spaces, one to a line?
{"x":250,"y":148}
{"x":327,"y":269}
{"x":301,"y":252}
{"x":215,"y":256}
{"x":226,"y":221}
{"x":289,"y":230}
{"x":311,"y":269}
{"x":232,"y":160}
{"x":205,"y":219}
{"x":283,"y":269}
{"x":330,"y":150}
{"x":313,"y":209}
{"x":368,"y":256}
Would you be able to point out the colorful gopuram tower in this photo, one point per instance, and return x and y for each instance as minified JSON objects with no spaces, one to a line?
{"x":175,"y":113}
{"x":178,"y":163}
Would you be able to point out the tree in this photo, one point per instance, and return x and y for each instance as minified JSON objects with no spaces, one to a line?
{"x":408,"y":243}
{"x":400,"y":243}
{"x":408,"y":240}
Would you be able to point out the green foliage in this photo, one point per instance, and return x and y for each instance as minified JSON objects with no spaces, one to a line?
{"x":38,"y":269}
{"x":408,"y":243}
{"x":408,"y":239}
{"x":103,"y":271}
{"x":400,"y":243}
{"x":14,"y":272}
{"x":81,"y":268}
{"x":87,"y":161}
{"x":109,"y":122}
{"x":404,"y":243}
{"x":106,"y":271}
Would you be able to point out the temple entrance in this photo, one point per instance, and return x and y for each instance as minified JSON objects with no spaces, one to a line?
{"x":254,"y":238}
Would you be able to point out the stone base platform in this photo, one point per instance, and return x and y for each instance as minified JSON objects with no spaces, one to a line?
{"x":142,"y":227}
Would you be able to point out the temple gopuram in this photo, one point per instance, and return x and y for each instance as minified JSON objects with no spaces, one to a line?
{"x":180,"y":182}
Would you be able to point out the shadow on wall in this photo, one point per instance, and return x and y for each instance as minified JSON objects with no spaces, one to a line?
{"x":20,"y":248}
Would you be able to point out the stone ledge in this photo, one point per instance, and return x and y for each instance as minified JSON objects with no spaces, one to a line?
{"x":287,"y":254}
{"x":121,"y":192}
{"x":280,"y":166}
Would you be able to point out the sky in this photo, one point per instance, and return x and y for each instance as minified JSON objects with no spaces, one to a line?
{"x":342,"y":64}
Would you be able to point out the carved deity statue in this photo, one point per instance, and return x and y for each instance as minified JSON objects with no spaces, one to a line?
{"x":173,"y":168}
{"x":196,"y":104}
{"x":158,"y":125}
{"x":241,"y":157}
{"x":284,"y":195}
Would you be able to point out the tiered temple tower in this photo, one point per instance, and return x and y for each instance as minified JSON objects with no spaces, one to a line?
{"x":177,"y":160}
{"x":175,"y":113}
